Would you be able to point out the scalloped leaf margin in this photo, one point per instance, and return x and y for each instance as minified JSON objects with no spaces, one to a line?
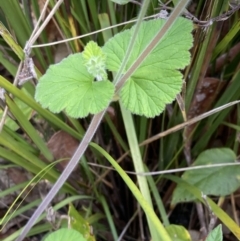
{"x":158,"y":80}
{"x":69,"y":86}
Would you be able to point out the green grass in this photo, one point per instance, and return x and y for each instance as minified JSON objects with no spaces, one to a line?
{"x":112,"y":195}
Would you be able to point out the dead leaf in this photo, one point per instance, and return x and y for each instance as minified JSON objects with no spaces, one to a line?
{"x":62,"y":145}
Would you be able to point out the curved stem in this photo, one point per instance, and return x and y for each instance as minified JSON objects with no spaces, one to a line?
{"x":66,"y":173}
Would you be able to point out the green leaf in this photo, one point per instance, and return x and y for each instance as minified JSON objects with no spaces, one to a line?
{"x":178,"y":233}
{"x":69,"y":86}
{"x":218,"y":181}
{"x":95,"y":61}
{"x":216,"y":234}
{"x":80,"y":224}
{"x":157,"y":81}
{"x":64,"y":234}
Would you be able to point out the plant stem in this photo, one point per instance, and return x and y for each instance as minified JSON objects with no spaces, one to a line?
{"x":138,"y":164}
{"x":97,"y":120}
{"x":65,"y":174}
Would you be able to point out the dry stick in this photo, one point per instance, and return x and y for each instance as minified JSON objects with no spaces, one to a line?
{"x":4,"y":116}
{"x":28,"y":62}
{"x":213,"y":218}
{"x":234,"y":211}
{"x":120,"y":238}
{"x":178,"y":127}
{"x":169,"y":131}
{"x":33,"y":38}
{"x":88,"y":34}
{"x":65,"y":174}
{"x":94,"y":125}
{"x":39,"y":31}
{"x":201,"y":217}
{"x":209,"y":22}
{"x":140,"y":220}
{"x":40,"y":19}
{"x":188,"y":15}
{"x":106,"y":173}
{"x":181,"y":105}
{"x":183,"y":169}
{"x":189,"y":122}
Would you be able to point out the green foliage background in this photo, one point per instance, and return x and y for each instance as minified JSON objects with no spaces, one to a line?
{"x":179,"y":149}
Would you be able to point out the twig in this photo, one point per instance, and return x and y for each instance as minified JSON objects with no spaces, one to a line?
{"x":235,"y":213}
{"x":236,"y":163}
{"x":186,"y":14}
{"x":209,"y":22}
{"x":213,"y":218}
{"x":36,"y":32}
{"x":187,"y":123}
{"x":120,"y":238}
{"x":42,"y":15}
{"x":26,"y":69}
{"x":203,"y":225}
{"x":167,"y":132}
{"x":89,"y":34}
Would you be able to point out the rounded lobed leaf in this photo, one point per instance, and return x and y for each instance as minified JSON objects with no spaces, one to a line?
{"x":69,"y":86}
{"x":218,"y":181}
{"x":64,"y":234}
{"x":157,"y":81}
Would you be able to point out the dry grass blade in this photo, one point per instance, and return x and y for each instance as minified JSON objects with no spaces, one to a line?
{"x":3,"y":119}
{"x":36,"y":32}
{"x":187,"y":123}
